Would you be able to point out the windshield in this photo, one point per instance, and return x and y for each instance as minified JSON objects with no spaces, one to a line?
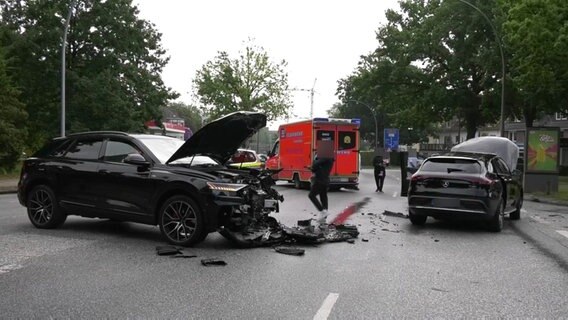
{"x":449,"y":165}
{"x":164,"y":147}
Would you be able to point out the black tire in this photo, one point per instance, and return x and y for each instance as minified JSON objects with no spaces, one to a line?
{"x":417,"y":219}
{"x":181,"y":221}
{"x":297,"y":182}
{"x":43,"y":209}
{"x":516,"y":215}
{"x":496,"y":222}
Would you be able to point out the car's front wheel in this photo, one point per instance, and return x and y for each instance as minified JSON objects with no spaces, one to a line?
{"x":181,"y":221}
{"x":43,"y":210}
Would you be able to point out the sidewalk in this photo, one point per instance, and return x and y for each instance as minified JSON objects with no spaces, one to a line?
{"x":8,"y":185}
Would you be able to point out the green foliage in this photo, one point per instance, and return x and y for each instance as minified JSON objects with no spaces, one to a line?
{"x":537,"y":34}
{"x":249,"y":83}
{"x":114,"y":60}
{"x":13,"y":115}
{"x":435,"y":60}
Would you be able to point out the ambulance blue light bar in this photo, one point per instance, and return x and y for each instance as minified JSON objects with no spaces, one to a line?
{"x":337,"y":120}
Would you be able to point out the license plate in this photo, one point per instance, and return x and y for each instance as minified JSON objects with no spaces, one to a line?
{"x":446,"y":203}
{"x":338,"y":179}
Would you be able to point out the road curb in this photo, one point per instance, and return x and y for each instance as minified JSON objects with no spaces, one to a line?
{"x":544,"y":241}
{"x":533,"y":198}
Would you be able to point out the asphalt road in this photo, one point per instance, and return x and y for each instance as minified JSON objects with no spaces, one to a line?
{"x":102,"y":269}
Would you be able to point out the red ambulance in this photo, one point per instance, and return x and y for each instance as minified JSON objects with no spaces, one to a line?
{"x":298,"y":141}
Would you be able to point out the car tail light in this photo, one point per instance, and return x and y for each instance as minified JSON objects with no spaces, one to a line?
{"x":482,"y":182}
{"x":418,"y":179}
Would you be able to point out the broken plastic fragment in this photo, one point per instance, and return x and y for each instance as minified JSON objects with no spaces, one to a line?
{"x":184,"y":256}
{"x":290,"y":251}
{"x":167,"y":250}
{"x":213,"y":262}
{"x":394,"y":214}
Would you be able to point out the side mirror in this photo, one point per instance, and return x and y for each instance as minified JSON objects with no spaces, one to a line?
{"x":136,"y":159}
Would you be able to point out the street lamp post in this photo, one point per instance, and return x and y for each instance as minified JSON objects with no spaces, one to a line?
{"x":374,"y":118}
{"x":502,"y":121}
{"x":63,"y":46}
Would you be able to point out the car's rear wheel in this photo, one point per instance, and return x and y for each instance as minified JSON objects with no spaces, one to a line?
{"x":516,"y":215}
{"x":417,"y":219}
{"x":496,"y":222}
{"x":43,"y":210}
{"x":181,"y":221}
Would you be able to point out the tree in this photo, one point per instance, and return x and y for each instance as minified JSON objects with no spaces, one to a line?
{"x":537,"y":33}
{"x":436,"y":60}
{"x":13,"y":115}
{"x":114,"y":60}
{"x":249,"y":83}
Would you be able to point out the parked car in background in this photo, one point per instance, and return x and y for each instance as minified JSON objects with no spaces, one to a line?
{"x":463,"y":185}
{"x":413,"y":164}
{"x":183,"y":187}
{"x":245,"y":158}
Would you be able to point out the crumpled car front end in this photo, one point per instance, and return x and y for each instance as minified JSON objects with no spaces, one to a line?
{"x":246,"y":199}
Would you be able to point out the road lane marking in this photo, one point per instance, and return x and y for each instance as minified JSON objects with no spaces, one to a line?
{"x":563,"y":232}
{"x":325,"y":309}
{"x":395,"y":194}
{"x":9,"y":267}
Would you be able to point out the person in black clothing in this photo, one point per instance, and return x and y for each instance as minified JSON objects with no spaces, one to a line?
{"x":321,"y":167}
{"x":380,"y":172}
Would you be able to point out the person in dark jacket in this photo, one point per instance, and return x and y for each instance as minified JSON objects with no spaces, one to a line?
{"x":380,"y":172}
{"x":321,"y":168}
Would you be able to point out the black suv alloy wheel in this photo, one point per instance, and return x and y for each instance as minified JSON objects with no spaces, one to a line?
{"x":43,"y":211}
{"x":181,"y":221}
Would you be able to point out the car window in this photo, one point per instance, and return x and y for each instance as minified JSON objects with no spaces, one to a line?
{"x":346,"y":140}
{"x":85,"y":150}
{"x":249,"y":157}
{"x":54,"y":149}
{"x":451,"y":165}
{"x":116,"y":151}
{"x":276,"y":148}
{"x":500,"y":166}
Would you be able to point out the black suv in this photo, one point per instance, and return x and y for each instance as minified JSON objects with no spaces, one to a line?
{"x":184,"y":187}
{"x":465,"y":185}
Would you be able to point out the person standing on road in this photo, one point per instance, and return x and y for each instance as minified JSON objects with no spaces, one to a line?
{"x":321,"y":168}
{"x":380,"y":172}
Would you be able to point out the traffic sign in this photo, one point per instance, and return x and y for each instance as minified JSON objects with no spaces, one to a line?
{"x":391,"y":138}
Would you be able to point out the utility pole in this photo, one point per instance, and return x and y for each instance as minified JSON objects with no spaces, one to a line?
{"x":63,"y":46}
{"x":311,"y":91}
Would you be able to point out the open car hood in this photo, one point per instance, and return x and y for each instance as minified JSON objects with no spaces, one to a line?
{"x":221,"y":138}
{"x":503,"y":147}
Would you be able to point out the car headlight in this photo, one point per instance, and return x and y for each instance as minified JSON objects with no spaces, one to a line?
{"x":226,"y":187}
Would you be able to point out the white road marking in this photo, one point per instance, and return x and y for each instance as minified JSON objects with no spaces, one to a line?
{"x":394,"y":195}
{"x":563,"y":232}
{"x":9,"y":267}
{"x":325,"y":309}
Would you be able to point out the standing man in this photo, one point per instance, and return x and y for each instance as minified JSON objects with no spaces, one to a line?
{"x":321,"y":167}
{"x":380,"y":172}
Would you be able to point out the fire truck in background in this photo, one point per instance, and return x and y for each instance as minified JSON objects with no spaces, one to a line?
{"x":295,"y":149}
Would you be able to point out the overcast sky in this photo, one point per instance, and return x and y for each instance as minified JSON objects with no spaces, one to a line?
{"x":318,"y":39}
